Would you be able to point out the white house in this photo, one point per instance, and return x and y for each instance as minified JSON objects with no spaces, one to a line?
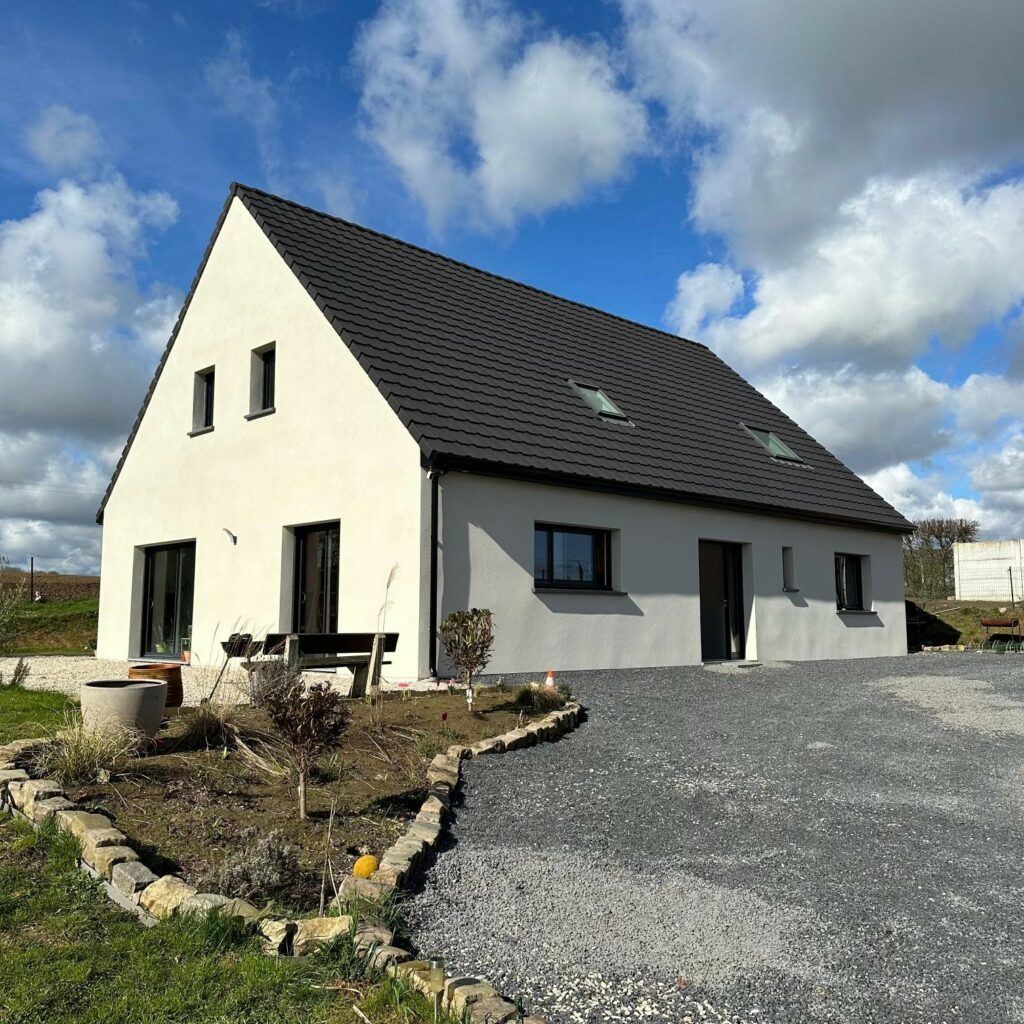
{"x":333,"y":403}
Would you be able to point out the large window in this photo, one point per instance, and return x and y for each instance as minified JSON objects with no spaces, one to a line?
{"x":315,"y":607}
{"x":202,"y":401}
{"x":571,"y":558}
{"x":167,"y":600}
{"x":850,"y":583}
{"x":262,"y":380}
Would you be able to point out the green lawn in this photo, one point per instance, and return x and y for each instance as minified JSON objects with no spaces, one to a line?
{"x":25,"y":714}
{"x":68,"y":956}
{"x":58,"y":627}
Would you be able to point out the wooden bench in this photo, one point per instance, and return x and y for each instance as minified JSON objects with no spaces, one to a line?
{"x":361,"y":653}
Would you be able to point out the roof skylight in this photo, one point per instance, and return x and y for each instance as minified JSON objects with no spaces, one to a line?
{"x":599,"y":401}
{"x":778,"y":448}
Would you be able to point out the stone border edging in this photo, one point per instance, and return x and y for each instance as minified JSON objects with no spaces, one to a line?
{"x":107,"y":857}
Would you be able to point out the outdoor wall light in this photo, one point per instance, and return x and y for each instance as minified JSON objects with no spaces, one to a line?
{"x":231,"y":536}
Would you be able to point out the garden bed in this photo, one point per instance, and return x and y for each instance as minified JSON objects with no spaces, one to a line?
{"x":189,"y":810}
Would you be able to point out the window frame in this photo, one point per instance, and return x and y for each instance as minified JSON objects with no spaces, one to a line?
{"x":842,"y":595}
{"x":585,"y":391}
{"x":787,"y":455}
{"x":204,"y":393}
{"x":263,"y":384}
{"x":789,"y":571}
{"x":599,"y":537}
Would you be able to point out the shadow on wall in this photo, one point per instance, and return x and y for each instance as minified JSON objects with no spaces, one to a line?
{"x":568,"y":603}
{"x":927,"y":630}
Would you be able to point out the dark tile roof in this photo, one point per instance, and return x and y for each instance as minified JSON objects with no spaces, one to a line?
{"x":478,"y":368}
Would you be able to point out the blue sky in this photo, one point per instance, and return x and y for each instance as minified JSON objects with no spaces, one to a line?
{"x":832,"y":200}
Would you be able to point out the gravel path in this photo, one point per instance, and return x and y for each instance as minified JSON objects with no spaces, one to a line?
{"x":838,"y":841}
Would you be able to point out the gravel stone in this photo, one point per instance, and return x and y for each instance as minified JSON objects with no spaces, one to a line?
{"x":827,"y":841}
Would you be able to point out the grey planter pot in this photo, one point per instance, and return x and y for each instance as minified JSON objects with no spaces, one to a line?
{"x":136,"y":705}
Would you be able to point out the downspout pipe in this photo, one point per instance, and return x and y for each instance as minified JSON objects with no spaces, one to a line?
{"x":434,"y":475}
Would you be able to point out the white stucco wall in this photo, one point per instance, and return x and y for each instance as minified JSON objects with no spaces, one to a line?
{"x":990,"y":570}
{"x":487,"y":538}
{"x":333,"y":450}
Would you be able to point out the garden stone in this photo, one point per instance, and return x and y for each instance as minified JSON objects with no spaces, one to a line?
{"x":130,"y":878}
{"x":14,"y":749}
{"x":8,"y":775}
{"x":80,"y":822}
{"x":37,"y":789}
{"x":491,"y":746}
{"x":277,"y":935}
{"x":494,"y":1010}
{"x":433,"y":806}
{"x":415,"y":972}
{"x":515,"y":739}
{"x":43,"y":809}
{"x":201,"y":904}
{"x":373,"y":933}
{"x":467,"y":995}
{"x":390,"y":875}
{"x":384,"y":956}
{"x":13,"y":790}
{"x":457,"y":752}
{"x":365,"y":888}
{"x":165,"y":895}
{"x":97,"y":837}
{"x":442,"y":791}
{"x":241,"y":909}
{"x":427,"y":831}
{"x":313,"y":932}
{"x":447,"y":775}
{"x":103,"y":858}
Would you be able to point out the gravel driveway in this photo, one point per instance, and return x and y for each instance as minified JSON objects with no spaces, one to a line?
{"x":833,"y":841}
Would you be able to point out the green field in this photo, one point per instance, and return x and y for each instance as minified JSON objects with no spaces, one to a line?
{"x":58,"y":627}
{"x":26,"y":714}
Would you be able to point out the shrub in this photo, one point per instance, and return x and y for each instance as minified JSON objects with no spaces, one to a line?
{"x":264,"y":867}
{"x":209,"y":725}
{"x":18,"y":676}
{"x":267,"y":678}
{"x":542,"y":698}
{"x":12,"y":594}
{"x":309,"y":722}
{"x":77,"y":755}
{"x":468,"y":637}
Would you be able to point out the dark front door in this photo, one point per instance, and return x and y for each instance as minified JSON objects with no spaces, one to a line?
{"x":316,"y":578}
{"x":169,"y":585}
{"x":722,"y":630}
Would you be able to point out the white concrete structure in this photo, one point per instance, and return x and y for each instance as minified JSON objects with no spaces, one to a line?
{"x":991,"y":570}
{"x":210,"y":504}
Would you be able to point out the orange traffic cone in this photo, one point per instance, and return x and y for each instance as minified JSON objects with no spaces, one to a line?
{"x":550,"y":681}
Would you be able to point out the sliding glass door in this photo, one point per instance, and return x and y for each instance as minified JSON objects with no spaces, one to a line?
{"x":169,"y":585}
{"x":316,"y":578}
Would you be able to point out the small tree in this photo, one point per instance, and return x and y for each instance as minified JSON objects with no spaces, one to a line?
{"x":309,"y":721}
{"x":468,"y":637}
{"x":12,"y":595}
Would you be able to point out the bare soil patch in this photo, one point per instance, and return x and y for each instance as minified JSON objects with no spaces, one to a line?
{"x":186,"y":810}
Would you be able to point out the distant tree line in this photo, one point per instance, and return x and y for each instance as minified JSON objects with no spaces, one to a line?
{"x":928,"y":555}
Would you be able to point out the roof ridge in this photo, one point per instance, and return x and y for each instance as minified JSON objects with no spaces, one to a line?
{"x":237,"y":186}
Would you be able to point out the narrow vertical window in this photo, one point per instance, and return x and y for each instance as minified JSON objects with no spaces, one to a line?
{"x":262,"y":379}
{"x":788,"y":572}
{"x":202,"y":401}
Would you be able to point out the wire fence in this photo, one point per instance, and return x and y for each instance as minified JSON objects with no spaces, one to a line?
{"x":1001,"y":585}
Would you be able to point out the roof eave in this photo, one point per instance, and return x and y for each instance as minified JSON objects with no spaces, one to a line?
{"x":461,"y":463}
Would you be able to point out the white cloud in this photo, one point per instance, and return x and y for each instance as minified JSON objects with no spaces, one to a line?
{"x":922,"y":497}
{"x":985,"y":399}
{"x":902,"y":263}
{"x":78,"y":343}
{"x":703,"y":295}
{"x":1003,"y":473}
{"x":868,"y":420}
{"x":65,"y":141}
{"x":480,"y":119}
{"x":807,"y":106}
{"x":244,"y":95}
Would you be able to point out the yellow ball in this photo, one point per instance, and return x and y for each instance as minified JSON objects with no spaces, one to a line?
{"x":365,"y":866}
